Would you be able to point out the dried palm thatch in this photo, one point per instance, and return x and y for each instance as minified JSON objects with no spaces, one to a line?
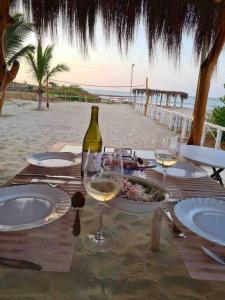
{"x":164,"y":20}
{"x":160,"y":93}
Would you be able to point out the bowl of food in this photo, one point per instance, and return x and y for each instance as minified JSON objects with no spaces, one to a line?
{"x":139,"y":196}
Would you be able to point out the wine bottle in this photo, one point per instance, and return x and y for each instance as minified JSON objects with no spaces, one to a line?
{"x":92,"y":143}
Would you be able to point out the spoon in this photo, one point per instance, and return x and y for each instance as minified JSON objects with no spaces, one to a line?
{"x":140,"y":160}
{"x":176,"y":231}
{"x":77,"y":202}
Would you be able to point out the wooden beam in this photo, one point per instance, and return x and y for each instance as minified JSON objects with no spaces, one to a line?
{"x":206,"y":70}
{"x":147,"y":99}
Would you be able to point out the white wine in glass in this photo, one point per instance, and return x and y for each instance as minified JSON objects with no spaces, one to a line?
{"x":165,"y":159}
{"x":168,"y":153}
{"x":103,"y":186}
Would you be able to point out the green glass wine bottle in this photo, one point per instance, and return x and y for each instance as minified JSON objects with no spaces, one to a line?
{"x":92,"y":142}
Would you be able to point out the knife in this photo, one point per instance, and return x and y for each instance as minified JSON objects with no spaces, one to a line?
{"x":45,"y":176}
{"x":19,"y":264}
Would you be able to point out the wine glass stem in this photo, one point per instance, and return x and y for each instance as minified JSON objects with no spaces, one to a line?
{"x":164,"y":175}
{"x":99,"y":234}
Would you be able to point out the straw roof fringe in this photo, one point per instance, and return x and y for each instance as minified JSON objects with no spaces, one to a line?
{"x":157,"y":93}
{"x":165,"y":20}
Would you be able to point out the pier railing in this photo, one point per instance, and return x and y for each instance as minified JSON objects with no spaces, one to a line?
{"x":177,"y":121}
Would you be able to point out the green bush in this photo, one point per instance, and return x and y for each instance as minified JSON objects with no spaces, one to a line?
{"x":218,"y":116}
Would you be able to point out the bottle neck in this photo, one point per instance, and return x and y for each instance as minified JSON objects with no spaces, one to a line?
{"x":94,"y":115}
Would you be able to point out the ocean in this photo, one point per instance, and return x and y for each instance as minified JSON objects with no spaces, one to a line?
{"x":188,"y":103}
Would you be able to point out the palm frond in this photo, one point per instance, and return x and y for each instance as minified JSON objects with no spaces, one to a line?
{"x":21,"y":53}
{"x":57,"y":69}
{"x":48,"y":54}
{"x":15,"y":36}
{"x":33,"y":65}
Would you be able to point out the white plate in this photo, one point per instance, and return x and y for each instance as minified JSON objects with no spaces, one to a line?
{"x":183,"y":170}
{"x":204,"y":216}
{"x":32,"y":205}
{"x":138,"y":207}
{"x":53,"y":159}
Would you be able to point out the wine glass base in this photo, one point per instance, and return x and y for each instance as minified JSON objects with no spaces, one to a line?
{"x":94,"y":244}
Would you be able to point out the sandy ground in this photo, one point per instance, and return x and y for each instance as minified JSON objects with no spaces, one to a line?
{"x":24,"y":130}
{"x":130,"y":271}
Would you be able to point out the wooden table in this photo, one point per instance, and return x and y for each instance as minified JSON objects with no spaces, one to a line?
{"x":198,"y":264}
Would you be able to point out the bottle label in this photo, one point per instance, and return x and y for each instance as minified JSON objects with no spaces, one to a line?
{"x":91,"y":161}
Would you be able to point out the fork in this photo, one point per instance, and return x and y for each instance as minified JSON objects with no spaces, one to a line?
{"x":219,"y":258}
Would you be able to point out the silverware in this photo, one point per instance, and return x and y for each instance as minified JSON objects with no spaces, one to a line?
{"x":219,"y":258}
{"x":77,"y":202}
{"x":141,"y":168}
{"x":176,"y":231}
{"x":23,"y":183}
{"x":19,"y":264}
{"x":44,"y":176}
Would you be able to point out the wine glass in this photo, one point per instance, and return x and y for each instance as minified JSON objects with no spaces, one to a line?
{"x":103,"y":186}
{"x":168,"y":153}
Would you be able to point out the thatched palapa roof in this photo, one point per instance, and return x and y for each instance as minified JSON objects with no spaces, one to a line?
{"x":160,"y":93}
{"x":165,"y":20}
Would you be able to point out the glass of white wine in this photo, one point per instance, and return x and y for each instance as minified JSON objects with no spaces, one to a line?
{"x":168,"y":153}
{"x":103,"y":186}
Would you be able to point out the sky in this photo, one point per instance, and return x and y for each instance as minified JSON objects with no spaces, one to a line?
{"x":106,"y":66}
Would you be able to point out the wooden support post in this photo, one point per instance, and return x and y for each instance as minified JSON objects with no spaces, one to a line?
{"x":47,"y":95}
{"x":167,"y":96}
{"x":206,"y":70}
{"x":175,"y":102}
{"x":147,"y":99}
{"x":6,"y":76}
{"x":156,"y":229}
{"x":161,"y":100}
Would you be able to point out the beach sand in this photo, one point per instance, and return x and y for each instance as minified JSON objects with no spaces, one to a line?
{"x":130,"y":271}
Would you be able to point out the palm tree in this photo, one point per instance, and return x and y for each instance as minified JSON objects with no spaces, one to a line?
{"x":41,"y":67}
{"x":13,"y":44}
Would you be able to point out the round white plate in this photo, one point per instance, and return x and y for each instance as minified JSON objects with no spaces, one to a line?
{"x":138,"y":207}
{"x":53,"y":159}
{"x":204,"y":216}
{"x":32,"y":205}
{"x":183,"y":170}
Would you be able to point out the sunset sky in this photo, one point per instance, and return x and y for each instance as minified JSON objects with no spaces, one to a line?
{"x":106,"y":66}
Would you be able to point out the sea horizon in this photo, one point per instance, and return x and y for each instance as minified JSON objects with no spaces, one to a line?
{"x":188,"y":103}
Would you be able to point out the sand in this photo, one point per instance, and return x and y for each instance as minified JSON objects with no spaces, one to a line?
{"x":130,"y":271}
{"x":23,"y":130}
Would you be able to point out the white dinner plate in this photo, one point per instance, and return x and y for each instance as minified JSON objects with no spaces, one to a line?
{"x":131,"y":206}
{"x":53,"y":159}
{"x":32,"y":205}
{"x":183,"y":170}
{"x":204,"y":216}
